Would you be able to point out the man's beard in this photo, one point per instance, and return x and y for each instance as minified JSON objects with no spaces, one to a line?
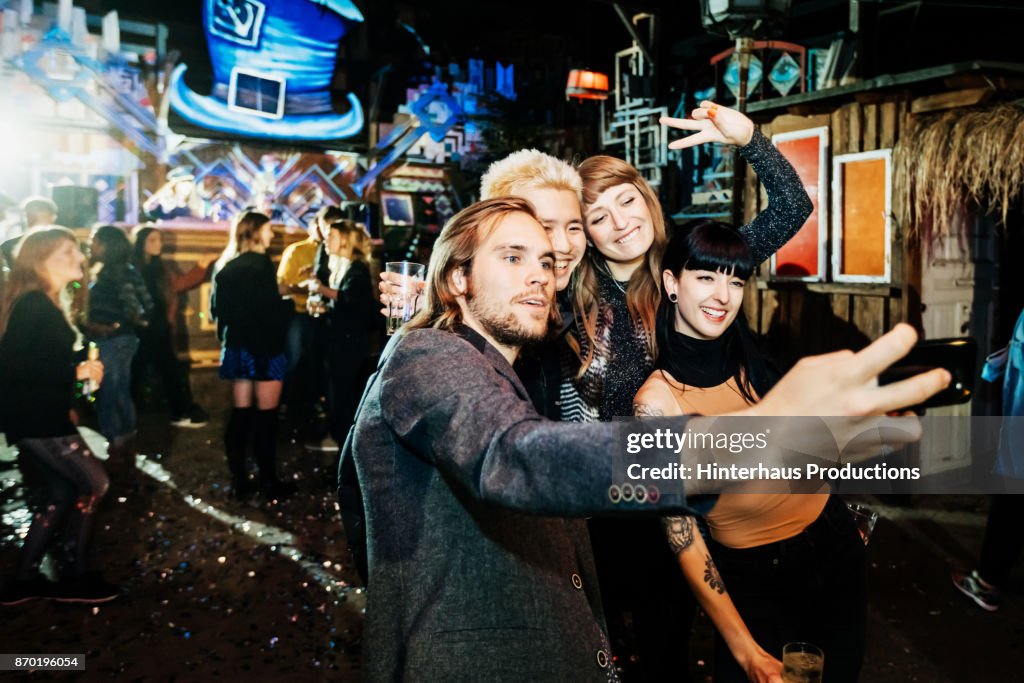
{"x":504,"y":329}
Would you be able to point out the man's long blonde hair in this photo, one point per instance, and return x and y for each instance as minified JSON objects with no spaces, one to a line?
{"x":454,"y":250}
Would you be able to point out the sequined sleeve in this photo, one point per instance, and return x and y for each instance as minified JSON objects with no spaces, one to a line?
{"x":788,"y":203}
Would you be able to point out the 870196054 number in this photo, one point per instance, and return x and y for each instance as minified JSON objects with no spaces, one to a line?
{"x":18,"y":662}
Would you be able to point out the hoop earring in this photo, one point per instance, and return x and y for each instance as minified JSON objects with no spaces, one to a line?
{"x":673,"y":297}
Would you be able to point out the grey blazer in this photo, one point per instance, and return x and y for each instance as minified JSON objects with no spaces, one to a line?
{"x":475,"y":572}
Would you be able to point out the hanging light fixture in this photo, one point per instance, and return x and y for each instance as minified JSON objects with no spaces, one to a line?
{"x":747,"y":18}
{"x":743,"y":20}
{"x":587,"y":85}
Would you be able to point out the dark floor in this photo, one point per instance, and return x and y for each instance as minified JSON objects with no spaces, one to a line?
{"x":217,"y":588}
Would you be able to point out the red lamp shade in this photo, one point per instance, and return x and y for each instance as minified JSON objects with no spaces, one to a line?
{"x":587,"y":85}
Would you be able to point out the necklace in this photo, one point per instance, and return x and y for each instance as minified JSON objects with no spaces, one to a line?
{"x":608,"y":271}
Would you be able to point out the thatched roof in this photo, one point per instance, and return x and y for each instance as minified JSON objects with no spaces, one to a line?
{"x":944,"y":161}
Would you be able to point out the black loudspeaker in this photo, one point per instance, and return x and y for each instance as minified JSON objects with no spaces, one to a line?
{"x":77,"y":206}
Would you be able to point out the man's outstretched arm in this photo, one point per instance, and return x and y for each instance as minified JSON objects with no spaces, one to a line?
{"x":457,"y":412}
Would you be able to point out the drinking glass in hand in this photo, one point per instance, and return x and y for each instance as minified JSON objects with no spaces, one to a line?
{"x":865,"y":517}
{"x":402,"y":306}
{"x":802,"y":663}
{"x":315,"y":305}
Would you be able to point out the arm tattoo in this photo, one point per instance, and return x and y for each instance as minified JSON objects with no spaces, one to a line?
{"x":645,"y":410}
{"x":711,"y":576}
{"x":679,"y":531}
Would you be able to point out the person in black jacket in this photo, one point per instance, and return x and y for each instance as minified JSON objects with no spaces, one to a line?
{"x":252,"y":320}
{"x":157,"y":341}
{"x":119,"y":305}
{"x":555,"y":190}
{"x":38,"y":372}
{"x":351,"y":317}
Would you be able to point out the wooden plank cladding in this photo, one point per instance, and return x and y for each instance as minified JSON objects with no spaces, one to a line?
{"x":951,"y":100}
{"x":801,"y":318}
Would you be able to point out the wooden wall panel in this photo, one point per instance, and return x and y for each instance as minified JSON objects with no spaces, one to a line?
{"x":840,"y":131}
{"x":841,"y":306}
{"x":854,"y":120}
{"x":887,"y":125}
{"x":870,"y":315}
{"x":870,"y":131}
{"x":799,"y":319}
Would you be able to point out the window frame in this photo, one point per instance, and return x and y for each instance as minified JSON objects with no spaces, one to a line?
{"x":838,"y":229}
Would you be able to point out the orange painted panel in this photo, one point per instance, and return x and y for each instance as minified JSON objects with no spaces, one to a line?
{"x":799,"y":257}
{"x":863,"y":215}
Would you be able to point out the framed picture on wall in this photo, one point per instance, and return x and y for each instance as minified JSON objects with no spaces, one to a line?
{"x":862,"y":217}
{"x":397,"y":209}
{"x":803,"y":257}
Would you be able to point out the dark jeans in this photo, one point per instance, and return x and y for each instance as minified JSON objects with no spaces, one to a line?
{"x":306,"y":379}
{"x":1004,"y":539}
{"x":345,"y":388}
{"x":114,"y":404}
{"x":65,"y":483}
{"x":157,"y":351}
{"x":808,"y":588}
{"x":299,"y":345}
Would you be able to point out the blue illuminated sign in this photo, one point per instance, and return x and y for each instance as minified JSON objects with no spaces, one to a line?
{"x":238,"y":21}
{"x":273,"y":63}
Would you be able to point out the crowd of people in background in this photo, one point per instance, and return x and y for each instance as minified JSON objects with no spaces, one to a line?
{"x":86,"y":325}
{"x":644,"y":322}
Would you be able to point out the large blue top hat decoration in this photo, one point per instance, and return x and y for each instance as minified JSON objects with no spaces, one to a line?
{"x":273,"y":61}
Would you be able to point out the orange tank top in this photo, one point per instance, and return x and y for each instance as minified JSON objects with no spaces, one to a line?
{"x":744,"y":520}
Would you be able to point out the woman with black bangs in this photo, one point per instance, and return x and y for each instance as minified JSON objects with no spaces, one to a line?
{"x":794,"y":564}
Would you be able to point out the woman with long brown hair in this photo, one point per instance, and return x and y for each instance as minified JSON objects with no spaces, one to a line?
{"x":616,"y":291}
{"x":38,"y":372}
{"x":252,"y":320}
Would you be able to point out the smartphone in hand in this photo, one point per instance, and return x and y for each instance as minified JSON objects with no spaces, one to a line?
{"x":958,"y":356}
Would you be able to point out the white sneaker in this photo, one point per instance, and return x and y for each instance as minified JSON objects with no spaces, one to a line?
{"x":188,"y":422}
{"x":325,"y":445}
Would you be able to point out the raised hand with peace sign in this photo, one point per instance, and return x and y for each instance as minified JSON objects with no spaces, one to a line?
{"x":712,"y":123}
